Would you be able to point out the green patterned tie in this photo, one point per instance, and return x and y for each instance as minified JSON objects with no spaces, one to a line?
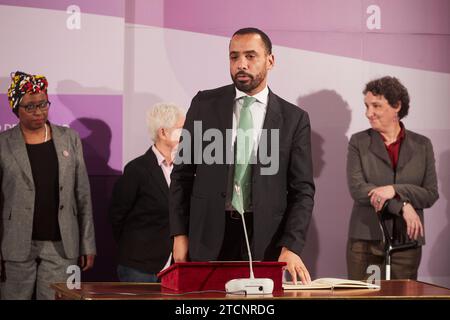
{"x":242,"y":169}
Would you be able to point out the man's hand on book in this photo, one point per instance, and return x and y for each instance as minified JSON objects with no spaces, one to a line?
{"x":295,"y":266}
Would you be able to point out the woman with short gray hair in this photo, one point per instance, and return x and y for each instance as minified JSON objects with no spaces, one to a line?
{"x":139,"y":212}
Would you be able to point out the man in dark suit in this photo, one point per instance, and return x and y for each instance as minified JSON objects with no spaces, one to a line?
{"x":208,"y":197}
{"x":139,"y":211}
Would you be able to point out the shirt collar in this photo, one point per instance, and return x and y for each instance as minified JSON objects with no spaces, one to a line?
{"x":400,"y":136}
{"x":261,"y":96}
{"x":159,"y":157}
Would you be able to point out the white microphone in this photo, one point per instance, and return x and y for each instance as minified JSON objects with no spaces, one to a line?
{"x":250,"y":285}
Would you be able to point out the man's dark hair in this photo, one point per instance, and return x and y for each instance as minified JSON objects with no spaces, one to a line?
{"x":392,"y":90}
{"x":265,"y":38}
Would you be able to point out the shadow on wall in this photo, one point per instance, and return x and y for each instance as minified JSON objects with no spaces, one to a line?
{"x":439,"y":265}
{"x":330,"y":118}
{"x":96,"y":148}
{"x":96,"y":138}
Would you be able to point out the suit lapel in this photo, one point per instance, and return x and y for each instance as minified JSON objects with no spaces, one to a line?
{"x":224,"y":108}
{"x":62,"y":151}
{"x":156,"y":172}
{"x":272,"y":120}
{"x":406,"y":152}
{"x":19,"y":151}
{"x":377,"y":147}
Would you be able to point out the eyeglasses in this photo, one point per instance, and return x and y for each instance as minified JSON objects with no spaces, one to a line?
{"x":31,"y":108}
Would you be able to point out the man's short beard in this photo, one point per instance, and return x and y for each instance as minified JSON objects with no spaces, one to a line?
{"x":248,"y":87}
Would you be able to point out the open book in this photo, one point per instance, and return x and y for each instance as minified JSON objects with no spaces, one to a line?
{"x":330,"y":283}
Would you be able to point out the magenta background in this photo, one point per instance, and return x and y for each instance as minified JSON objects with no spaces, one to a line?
{"x":328,"y":26}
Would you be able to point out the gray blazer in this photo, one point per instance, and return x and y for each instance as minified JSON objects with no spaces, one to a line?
{"x":18,"y":194}
{"x":369,"y":166}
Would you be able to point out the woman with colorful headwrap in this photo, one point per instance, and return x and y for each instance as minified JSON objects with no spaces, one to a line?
{"x":21,"y":84}
{"x":46,"y":221}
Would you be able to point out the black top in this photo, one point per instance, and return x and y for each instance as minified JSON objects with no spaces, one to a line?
{"x":44,"y":166}
{"x":139,"y":214}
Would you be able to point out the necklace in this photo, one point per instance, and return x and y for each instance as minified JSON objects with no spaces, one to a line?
{"x":27,"y":138}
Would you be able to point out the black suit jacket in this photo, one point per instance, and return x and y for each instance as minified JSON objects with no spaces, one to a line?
{"x":139,"y":214}
{"x":282,"y":203}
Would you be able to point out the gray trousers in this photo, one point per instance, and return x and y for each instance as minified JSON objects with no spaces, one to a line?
{"x":363,"y":253}
{"x":45,"y":265}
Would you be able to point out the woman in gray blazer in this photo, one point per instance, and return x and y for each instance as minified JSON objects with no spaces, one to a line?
{"x":46,"y":219}
{"x":388,"y":163}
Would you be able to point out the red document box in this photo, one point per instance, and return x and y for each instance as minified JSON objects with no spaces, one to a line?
{"x":196,"y":276}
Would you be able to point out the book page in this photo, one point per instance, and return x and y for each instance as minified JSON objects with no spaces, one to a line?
{"x":329,"y":283}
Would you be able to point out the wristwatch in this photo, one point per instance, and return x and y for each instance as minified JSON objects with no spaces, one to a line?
{"x":404,"y":204}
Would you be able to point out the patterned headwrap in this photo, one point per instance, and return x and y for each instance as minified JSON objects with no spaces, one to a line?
{"x":22,"y":83}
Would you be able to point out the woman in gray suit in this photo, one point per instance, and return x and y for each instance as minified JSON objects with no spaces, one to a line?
{"x":388,"y":163}
{"x":46,"y":219}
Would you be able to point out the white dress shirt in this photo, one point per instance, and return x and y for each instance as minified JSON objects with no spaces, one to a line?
{"x":257,"y":109}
